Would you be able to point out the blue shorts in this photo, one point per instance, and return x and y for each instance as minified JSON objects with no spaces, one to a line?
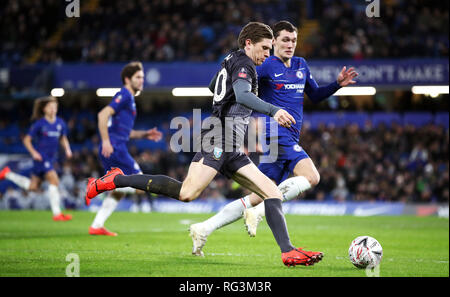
{"x":120,"y":158}
{"x":288,"y":157}
{"x":40,"y":168}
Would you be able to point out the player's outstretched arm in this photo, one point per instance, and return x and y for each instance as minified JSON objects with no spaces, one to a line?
{"x":317,"y":94}
{"x":346,"y":77}
{"x":244,"y":96}
{"x":150,"y":134}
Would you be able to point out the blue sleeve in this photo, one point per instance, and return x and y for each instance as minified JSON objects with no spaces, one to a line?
{"x":316,"y":93}
{"x":119,"y":102}
{"x":34,"y":129}
{"x":262,"y":70}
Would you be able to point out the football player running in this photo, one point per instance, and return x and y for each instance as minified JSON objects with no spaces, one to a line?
{"x":283,"y":80}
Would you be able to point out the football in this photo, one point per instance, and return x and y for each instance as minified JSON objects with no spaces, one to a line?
{"x":365,"y":252}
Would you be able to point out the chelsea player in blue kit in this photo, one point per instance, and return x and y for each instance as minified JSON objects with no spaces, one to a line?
{"x":42,"y":142}
{"x":115,"y":125}
{"x":283,"y":80}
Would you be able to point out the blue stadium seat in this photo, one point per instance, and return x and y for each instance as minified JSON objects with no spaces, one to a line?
{"x":417,"y":119}
{"x":386,"y":118}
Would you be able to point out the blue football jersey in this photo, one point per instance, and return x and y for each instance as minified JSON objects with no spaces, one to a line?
{"x":45,"y":136}
{"x":284,"y":87}
{"x":122,"y":122}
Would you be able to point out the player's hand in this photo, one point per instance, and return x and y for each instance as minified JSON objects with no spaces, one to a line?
{"x":346,"y":77}
{"x":153,"y":134}
{"x":107,"y":149}
{"x":36,"y":156}
{"x":284,"y":118}
{"x":68,"y":154}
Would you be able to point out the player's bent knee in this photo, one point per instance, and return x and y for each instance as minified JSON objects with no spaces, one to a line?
{"x":33,"y":187}
{"x":273,"y":192}
{"x":188,"y":196}
{"x":314,"y":179}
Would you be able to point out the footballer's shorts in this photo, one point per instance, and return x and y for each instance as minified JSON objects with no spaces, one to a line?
{"x":120,"y":158}
{"x":40,"y":168}
{"x":288,"y":157}
{"x":227,"y":163}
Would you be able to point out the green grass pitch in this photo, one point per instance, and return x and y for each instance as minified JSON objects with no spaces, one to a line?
{"x":158,"y":244}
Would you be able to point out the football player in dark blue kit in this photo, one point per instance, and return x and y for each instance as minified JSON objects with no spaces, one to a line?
{"x":115,"y":125}
{"x":235,"y":88}
{"x":42,"y":141}
{"x":283,"y":80}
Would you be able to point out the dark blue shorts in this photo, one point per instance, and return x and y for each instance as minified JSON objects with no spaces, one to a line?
{"x":288,"y":157}
{"x":41,"y":168}
{"x":122,"y":159}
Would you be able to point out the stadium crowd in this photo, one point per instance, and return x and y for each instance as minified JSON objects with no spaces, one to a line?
{"x":202,"y":30}
{"x":383,"y":163}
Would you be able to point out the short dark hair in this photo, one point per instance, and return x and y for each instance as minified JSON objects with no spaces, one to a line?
{"x":283,"y":25}
{"x":255,"y":31}
{"x":130,"y":69}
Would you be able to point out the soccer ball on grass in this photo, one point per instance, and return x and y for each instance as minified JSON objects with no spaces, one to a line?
{"x":365,"y":252}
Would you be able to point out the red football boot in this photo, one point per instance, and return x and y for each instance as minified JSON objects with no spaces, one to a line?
{"x":4,"y":172}
{"x":62,"y":217}
{"x":317,"y":256}
{"x":297,"y":257}
{"x":96,"y":186}
{"x":101,"y":231}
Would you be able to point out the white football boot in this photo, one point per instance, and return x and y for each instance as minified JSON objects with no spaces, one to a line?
{"x":199,"y":237}
{"x":252,"y":217}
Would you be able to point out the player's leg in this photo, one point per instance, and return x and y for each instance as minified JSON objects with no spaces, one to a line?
{"x":20,"y":180}
{"x":252,"y":178}
{"x":199,"y":176}
{"x":305,"y":177}
{"x":123,"y":160}
{"x":231,"y":212}
{"x":54,"y":196}
{"x":109,"y":204}
{"x":227,"y":215}
{"x":35,"y":183}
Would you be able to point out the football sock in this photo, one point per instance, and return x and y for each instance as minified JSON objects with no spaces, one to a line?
{"x":291,"y":188}
{"x":20,"y":180}
{"x":230,"y":213}
{"x":277,"y":223}
{"x":126,"y":190}
{"x":157,"y":184}
{"x":108,"y":206}
{"x":54,"y":198}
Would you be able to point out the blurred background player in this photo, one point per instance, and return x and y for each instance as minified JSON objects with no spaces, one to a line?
{"x":47,"y":132}
{"x":283,"y":80}
{"x":115,"y":125}
{"x":234,"y":98}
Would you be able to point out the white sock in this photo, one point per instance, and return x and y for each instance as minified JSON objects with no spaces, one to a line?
{"x":55,"y":199}
{"x":20,"y":180}
{"x":290,"y":188}
{"x":230,"y":213}
{"x":108,"y":206}
{"x":126,"y":190}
